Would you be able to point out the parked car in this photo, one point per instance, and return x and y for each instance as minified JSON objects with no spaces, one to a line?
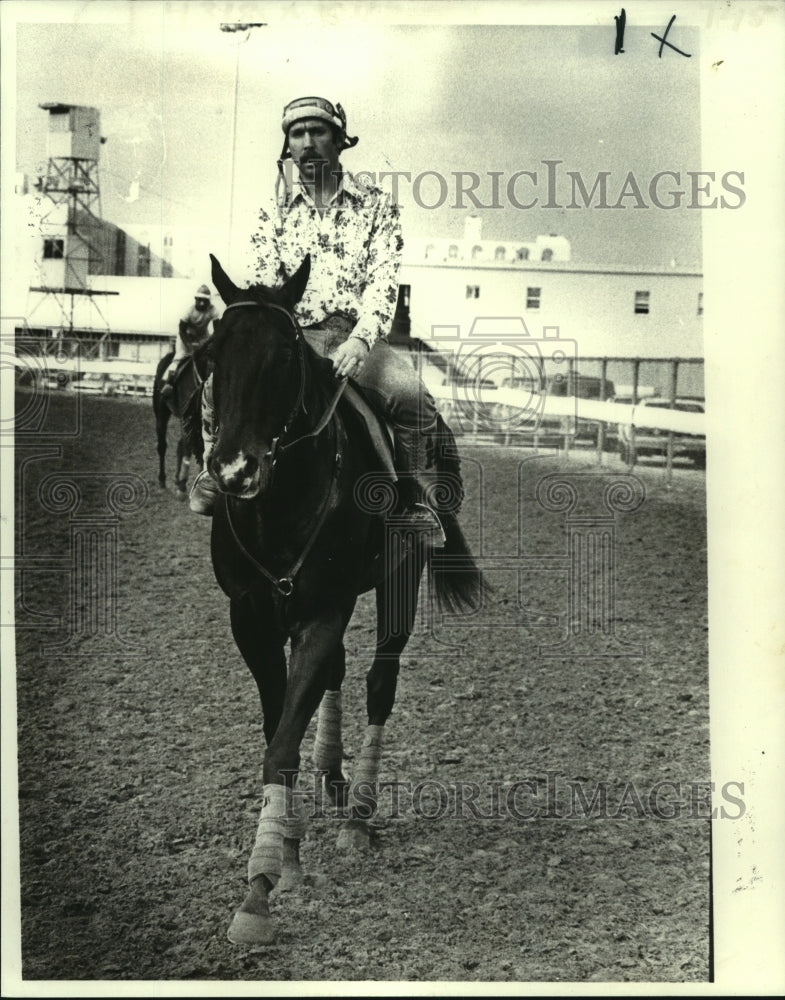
{"x":582,"y":387}
{"x":93,"y":383}
{"x":522,"y":382}
{"x":653,"y":440}
{"x":624,"y":398}
{"x":466,"y":403}
{"x":139,"y":387}
{"x":54,"y":380}
{"x":555,"y":428}
{"x":550,"y":429}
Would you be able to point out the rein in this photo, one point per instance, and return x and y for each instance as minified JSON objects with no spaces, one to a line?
{"x":276,"y":447}
{"x":285,"y":584}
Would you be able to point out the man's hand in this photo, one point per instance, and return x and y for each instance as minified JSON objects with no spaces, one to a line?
{"x":349,"y":357}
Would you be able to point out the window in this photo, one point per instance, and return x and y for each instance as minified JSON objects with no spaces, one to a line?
{"x":476,"y":251}
{"x":452,"y":253}
{"x":500,"y":253}
{"x":533,"y":298}
{"x":641,"y":303}
{"x":700,"y":303}
{"x":472,"y":291}
{"x":119,"y":252}
{"x":429,"y":250}
{"x":54,"y":249}
{"x":547,"y":254}
{"x":522,"y":253}
{"x":59,"y":119}
{"x":143,"y":261}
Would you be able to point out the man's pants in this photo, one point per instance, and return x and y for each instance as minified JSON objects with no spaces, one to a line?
{"x":392,"y":384}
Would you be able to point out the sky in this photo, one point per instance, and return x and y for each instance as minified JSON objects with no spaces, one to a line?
{"x":423,"y":98}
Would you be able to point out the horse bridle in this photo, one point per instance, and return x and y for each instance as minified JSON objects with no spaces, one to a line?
{"x":275,"y":446}
{"x":285,"y":584}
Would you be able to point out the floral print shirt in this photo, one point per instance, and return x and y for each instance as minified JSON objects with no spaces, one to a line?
{"x":355,"y":255}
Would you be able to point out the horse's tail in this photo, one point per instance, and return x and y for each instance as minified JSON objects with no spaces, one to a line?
{"x":458,"y":581}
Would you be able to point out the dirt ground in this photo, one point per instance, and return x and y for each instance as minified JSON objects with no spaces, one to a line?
{"x":140,"y":742}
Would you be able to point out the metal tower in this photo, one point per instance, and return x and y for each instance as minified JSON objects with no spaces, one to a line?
{"x":71,"y":226}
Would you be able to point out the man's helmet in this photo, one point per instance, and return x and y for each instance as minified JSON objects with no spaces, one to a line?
{"x":203,"y":292}
{"x":316,"y":107}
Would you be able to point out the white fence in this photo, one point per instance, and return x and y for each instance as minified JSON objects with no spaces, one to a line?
{"x":662,"y":416}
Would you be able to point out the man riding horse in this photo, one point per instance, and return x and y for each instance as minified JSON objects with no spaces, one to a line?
{"x":352,"y":232}
{"x":193,"y":331}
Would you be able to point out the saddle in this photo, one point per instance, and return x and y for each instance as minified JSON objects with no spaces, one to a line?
{"x":442,"y":458}
{"x":378,"y":430}
{"x":332,"y":331}
{"x":442,"y":454}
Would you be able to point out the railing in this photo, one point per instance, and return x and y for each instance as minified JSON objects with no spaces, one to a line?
{"x":536,"y":417}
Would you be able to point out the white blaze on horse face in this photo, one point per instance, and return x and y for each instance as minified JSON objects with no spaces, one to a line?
{"x":240,"y":476}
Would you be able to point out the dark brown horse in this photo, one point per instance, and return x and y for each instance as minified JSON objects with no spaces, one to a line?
{"x":308,"y":521}
{"x":181,"y":401}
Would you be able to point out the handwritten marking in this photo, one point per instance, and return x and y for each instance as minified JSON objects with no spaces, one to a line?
{"x":621,"y":20}
{"x":663,"y":42}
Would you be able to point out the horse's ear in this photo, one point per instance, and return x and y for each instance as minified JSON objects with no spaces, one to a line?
{"x":292,"y":291}
{"x":226,"y":287}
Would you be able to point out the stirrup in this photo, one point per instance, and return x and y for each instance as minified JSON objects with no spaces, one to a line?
{"x":426,"y":521}
{"x":204,"y":494}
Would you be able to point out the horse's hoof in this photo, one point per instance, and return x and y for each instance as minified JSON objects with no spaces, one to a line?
{"x":251,"y":929}
{"x":181,"y":495}
{"x":354,"y":838}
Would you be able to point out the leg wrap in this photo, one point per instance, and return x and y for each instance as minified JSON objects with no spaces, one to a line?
{"x":366,"y":772}
{"x":280,"y":817}
{"x":328,"y":747}
{"x":208,"y":418}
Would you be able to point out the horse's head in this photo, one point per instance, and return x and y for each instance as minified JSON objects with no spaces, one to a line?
{"x":258,"y":378}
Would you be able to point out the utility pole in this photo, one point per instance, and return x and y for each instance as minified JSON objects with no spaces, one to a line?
{"x":245,"y":30}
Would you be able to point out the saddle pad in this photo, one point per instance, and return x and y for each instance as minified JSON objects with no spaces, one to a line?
{"x":379,"y":430}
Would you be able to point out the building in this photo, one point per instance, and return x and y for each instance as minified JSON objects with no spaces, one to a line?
{"x":605,"y":311}
{"x":84,"y":285}
{"x":473,"y":296}
{"x":129,"y":285}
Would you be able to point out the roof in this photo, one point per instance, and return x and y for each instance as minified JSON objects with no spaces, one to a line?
{"x":58,"y":108}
